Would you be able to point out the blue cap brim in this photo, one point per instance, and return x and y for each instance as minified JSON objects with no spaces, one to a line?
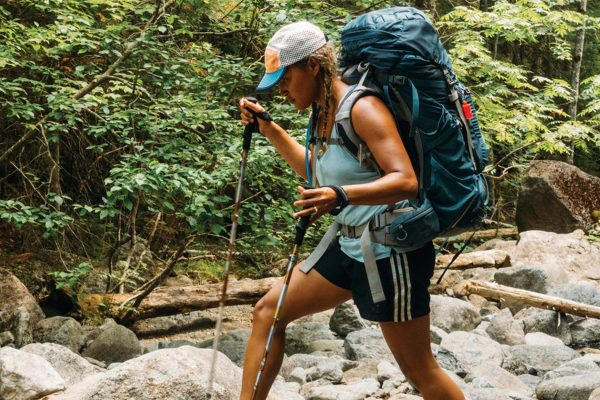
{"x":269,"y":80}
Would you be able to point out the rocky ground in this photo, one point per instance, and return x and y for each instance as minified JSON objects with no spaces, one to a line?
{"x":495,"y":350}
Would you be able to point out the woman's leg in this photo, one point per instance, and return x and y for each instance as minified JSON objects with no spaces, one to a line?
{"x":409,"y":342}
{"x":307,"y":294}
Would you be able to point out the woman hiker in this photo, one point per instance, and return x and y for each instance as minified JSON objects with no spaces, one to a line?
{"x":301,"y":61}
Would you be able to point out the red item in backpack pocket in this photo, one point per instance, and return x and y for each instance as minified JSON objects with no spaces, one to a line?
{"x":467,"y":110}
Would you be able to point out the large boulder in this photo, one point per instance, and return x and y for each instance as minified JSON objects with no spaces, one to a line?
{"x":61,"y":330}
{"x":70,"y":366}
{"x":577,"y":387}
{"x":14,"y":295}
{"x":25,"y":376}
{"x":346,"y":319}
{"x":452,"y":314}
{"x":557,"y":197}
{"x":232,"y":344}
{"x":180,"y":373}
{"x":472,"y":350}
{"x":112,"y":343}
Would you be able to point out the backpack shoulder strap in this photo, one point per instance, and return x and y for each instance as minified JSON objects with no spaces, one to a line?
{"x":343,"y":120}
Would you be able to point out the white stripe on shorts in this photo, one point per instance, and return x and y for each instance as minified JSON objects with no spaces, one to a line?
{"x":408,"y":288}
{"x":394,"y":264}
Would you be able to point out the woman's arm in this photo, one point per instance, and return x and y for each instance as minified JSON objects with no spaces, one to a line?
{"x":374,"y":124}
{"x":291,"y":151}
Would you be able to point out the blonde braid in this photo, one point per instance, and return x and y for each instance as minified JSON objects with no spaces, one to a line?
{"x":326,"y":57}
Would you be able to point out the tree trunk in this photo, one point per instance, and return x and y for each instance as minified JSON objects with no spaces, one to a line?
{"x":576,"y":74}
{"x":525,"y":297}
{"x":178,"y":300}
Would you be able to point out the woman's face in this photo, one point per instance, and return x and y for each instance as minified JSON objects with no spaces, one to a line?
{"x":300,"y":84}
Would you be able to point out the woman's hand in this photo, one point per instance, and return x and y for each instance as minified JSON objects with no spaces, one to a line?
{"x":315,"y":202}
{"x":246,"y":115}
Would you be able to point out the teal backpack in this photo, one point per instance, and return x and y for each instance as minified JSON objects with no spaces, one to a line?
{"x":397,"y":55}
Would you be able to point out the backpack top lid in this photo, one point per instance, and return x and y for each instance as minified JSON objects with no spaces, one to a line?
{"x":385,"y":37}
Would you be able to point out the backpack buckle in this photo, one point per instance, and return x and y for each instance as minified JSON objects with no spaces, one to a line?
{"x":363,"y":66}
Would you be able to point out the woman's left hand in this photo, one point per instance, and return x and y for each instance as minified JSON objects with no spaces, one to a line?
{"x":315,"y":202}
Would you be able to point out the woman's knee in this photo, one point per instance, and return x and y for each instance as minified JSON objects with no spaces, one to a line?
{"x":264,"y":311}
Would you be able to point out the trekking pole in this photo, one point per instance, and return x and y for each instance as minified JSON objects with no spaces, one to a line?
{"x":248,"y":131}
{"x":300,"y":231}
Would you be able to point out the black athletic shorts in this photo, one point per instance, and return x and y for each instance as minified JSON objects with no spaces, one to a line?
{"x":404,"y":276}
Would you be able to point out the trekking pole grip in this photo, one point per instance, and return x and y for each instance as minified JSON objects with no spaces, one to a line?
{"x":250,"y":128}
{"x":301,"y":228}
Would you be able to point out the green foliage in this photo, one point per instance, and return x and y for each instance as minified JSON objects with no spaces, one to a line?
{"x":153,"y":149}
{"x":73,"y":278}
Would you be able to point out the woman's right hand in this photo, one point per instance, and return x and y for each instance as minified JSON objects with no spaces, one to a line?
{"x":246,"y":107}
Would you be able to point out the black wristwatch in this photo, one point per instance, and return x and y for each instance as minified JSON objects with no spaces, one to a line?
{"x":342,"y":199}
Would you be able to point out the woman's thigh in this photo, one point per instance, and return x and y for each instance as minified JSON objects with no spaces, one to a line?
{"x":307,"y":293}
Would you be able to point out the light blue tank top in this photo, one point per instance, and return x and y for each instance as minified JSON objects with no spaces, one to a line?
{"x":337,"y":166}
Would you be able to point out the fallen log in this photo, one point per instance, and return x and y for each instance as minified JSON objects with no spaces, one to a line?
{"x":481,"y":236}
{"x":165,"y":301}
{"x":520,"y":296}
{"x":476,"y":259}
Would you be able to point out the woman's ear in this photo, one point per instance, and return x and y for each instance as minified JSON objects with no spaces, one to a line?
{"x":314,"y":67}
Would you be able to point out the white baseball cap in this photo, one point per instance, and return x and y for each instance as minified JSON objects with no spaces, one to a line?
{"x":290,"y":44}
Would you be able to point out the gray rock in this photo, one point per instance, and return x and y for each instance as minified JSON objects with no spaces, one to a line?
{"x":586,"y":333}
{"x":61,"y":330}
{"x":452,"y":314}
{"x":173,"y":323}
{"x":20,"y":326}
{"x":536,"y":360}
{"x":449,"y":361}
{"x":386,"y":371}
{"x":332,"y":347}
{"x":595,"y":395}
{"x":536,"y":278}
{"x":577,"y":366}
{"x":346,"y":319}
{"x":6,"y":338}
{"x":316,"y":367}
{"x":491,"y":394}
{"x":556,"y":197}
{"x":546,"y":321}
{"x":25,"y":376}
{"x":70,"y":366}
{"x":582,"y":292}
{"x":114,"y":343}
{"x":354,"y":391}
{"x":493,"y":376}
{"x":180,"y":373}
{"x":472,"y":350}
{"x":530,"y":380}
{"x":367,"y":343}
{"x":232,"y":344}
{"x":505,"y":329}
{"x":298,"y":336}
{"x":574,"y":387}
{"x":14,"y":294}
{"x":436,"y":334}
{"x":542,"y":339}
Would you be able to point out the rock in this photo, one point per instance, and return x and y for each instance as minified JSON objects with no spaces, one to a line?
{"x":493,"y":376}
{"x":387,"y":370}
{"x":20,"y":326}
{"x":172,"y":323}
{"x":180,"y":373}
{"x":6,"y":338}
{"x":332,"y":347}
{"x":452,"y":314}
{"x":346,"y":319}
{"x":505,"y":329}
{"x":61,"y":330}
{"x":546,"y":321}
{"x":25,"y":376}
{"x":491,"y":394}
{"x":578,"y":256}
{"x":582,"y":292}
{"x":299,"y":336}
{"x":316,"y":367}
{"x":359,"y":390}
{"x":436,"y":334}
{"x":113,"y":343}
{"x":557,"y":197}
{"x":595,"y":395}
{"x":536,"y":360}
{"x":70,"y":366}
{"x":542,"y":339}
{"x":538,"y":278}
{"x":449,"y":361}
{"x":232,"y":344}
{"x":14,"y":294}
{"x":366,"y":368}
{"x":577,"y":366}
{"x":574,"y":387}
{"x":472,"y":350}
{"x":586,"y":333}
{"x":367,"y":343}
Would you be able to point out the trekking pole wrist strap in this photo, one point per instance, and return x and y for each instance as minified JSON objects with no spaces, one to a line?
{"x":342,"y":198}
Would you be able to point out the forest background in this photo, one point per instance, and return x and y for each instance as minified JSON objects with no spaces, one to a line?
{"x":119,"y":119}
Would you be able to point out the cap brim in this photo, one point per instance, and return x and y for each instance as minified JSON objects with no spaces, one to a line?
{"x":270,"y":79}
